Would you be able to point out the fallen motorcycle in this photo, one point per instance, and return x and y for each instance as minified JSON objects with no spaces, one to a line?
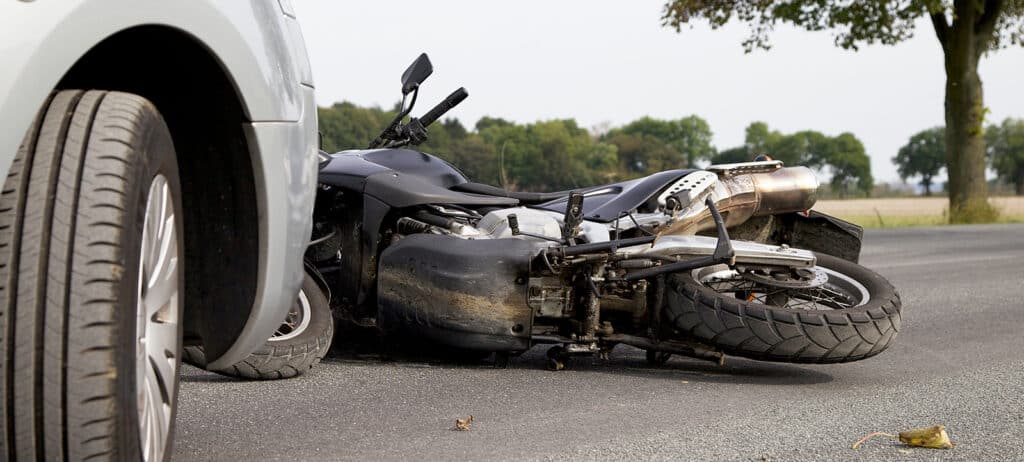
{"x":709,"y":262}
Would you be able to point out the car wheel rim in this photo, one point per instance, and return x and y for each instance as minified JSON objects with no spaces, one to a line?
{"x":157,"y":339}
{"x":297,"y":320}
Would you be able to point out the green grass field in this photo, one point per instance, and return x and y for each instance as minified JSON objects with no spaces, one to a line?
{"x":917,"y":211}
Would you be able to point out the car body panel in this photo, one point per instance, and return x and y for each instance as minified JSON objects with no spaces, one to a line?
{"x":288,"y":186}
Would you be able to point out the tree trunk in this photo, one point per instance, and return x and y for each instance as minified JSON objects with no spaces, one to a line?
{"x":927,"y":183}
{"x":964,"y":43}
{"x":1019,"y":181}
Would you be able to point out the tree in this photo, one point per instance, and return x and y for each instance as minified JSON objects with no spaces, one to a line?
{"x":850,"y":165}
{"x":966,"y":30}
{"x":347,"y":126}
{"x":924,"y":155}
{"x":476,"y":158}
{"x":732,"y":156}
{"x":690,"y":137}
{"x":486,"y":122}
{"x":1006,"y":151}
{"x":808,"y":148}
{"x":760,"y":139}
{"x":843,"y":156}
{"x":643,"y":154}
{"x":549,"y":155}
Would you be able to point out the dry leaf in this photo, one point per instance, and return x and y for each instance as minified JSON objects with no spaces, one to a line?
{"x":462,"y":425}
{"x":934,"y":437}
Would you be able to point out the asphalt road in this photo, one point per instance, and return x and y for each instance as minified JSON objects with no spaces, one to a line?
{"x":958,"y":361}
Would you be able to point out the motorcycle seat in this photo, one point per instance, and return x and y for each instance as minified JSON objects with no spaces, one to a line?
{"x":609,"y":202}
{"x":526,"y":198}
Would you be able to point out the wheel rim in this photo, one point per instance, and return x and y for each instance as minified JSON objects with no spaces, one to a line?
{"x":297,"y":320}
{"x":157,"y":335}
{"x":836,"y":291}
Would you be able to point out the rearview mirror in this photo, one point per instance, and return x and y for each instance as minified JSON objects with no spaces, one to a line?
{"x":417,"y":72}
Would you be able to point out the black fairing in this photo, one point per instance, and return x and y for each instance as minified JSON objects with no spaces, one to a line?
{"x":463,"y":293}
{"x":401,"y":178}
{"x":385,"y":179}
{"x":608,"y":202}
{"x":428,"y":167}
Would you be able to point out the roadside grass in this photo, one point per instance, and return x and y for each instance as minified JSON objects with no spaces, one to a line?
{"x":905,"y":212}
{"x":902,"y":221}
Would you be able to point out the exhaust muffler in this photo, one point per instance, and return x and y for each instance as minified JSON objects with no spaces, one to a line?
{"x":742,"y":192}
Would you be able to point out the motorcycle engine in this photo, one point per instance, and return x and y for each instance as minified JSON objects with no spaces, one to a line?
{"x":535,"y":222}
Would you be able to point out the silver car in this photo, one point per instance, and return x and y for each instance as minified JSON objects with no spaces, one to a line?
{"x":160,"y":164}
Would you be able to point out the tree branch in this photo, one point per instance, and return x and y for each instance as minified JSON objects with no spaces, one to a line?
{"x":941,"y":26}
{"x":986,"y":23}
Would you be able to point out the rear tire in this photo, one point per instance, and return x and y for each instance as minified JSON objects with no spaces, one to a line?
{"x":73,"y":279}
{"x":771,"y":333}
{"x":289,"y":355}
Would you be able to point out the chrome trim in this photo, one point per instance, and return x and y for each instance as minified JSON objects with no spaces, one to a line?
{"x":305,"y":313}
{"x":742,"y":168}
{"x":791,"y":189}
{"x":689,"y":188}
{"x":749,"y":253}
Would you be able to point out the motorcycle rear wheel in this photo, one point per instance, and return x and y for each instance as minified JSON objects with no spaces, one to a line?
{"x":854,"y":315}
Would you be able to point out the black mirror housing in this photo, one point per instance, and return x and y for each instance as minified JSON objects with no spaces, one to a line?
{"x":417,"y":72}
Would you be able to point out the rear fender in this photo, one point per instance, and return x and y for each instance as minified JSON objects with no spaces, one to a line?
{"x":813,"y":231}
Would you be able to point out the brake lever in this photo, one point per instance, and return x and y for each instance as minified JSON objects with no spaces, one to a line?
{"x":414,"y":132}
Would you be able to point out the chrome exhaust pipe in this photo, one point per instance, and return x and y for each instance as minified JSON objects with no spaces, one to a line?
{"x":742,"y":195}
{"x":791,"y":189}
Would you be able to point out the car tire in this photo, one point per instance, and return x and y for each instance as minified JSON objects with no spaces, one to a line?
{"x":90,"y":283}
{"x":295,"y":348}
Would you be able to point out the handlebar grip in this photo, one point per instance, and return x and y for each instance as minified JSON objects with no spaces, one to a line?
{"x":444,"y":106}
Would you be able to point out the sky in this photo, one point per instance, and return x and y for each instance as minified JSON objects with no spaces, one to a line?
{"x":609,"y":62}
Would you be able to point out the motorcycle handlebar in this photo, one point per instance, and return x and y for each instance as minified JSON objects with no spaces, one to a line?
{"x":444,"y":106}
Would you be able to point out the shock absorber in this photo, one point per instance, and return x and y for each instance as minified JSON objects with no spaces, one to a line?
{"x":592,"y":314}
{"x":586,"y":341}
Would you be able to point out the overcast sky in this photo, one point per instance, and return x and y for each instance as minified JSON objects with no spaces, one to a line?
{"x":611,"y":62}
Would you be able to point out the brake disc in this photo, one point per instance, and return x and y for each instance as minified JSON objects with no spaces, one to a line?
{"x":801,"y":278}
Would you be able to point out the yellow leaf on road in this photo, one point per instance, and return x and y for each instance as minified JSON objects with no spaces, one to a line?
{"x":934,"y":437}
{"x":462,"y":425}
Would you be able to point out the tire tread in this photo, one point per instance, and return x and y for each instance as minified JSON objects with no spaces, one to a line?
{"x":800,"y":336}
{"x":282,"y":360}
{"x":61,"y":279}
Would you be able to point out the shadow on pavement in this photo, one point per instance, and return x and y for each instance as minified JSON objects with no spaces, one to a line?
{"x":624,"y":360}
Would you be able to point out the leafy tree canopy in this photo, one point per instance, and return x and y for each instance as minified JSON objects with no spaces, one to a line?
{"x":689,"y":137}
{"x":854,"y":23}
{"x":842,"y":156}
{"x":1005,"y":144}
{"x":559,"y":154}
{"x":347,"y":126}
{"x":966,"y":30}
{"x":924,"y":156}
